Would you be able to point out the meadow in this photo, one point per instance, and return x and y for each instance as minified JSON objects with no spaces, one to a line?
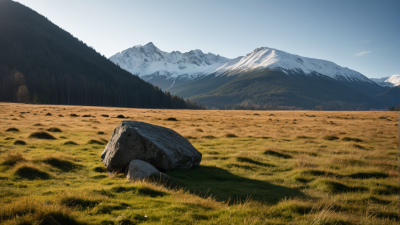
{"x":258,"y":167}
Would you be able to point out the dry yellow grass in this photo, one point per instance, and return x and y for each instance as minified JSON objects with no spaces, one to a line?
{"x":277,"y":167}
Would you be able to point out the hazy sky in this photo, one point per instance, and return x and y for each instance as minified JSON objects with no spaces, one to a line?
{"x":362,"y":35}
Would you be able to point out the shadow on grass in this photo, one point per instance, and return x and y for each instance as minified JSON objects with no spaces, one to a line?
{"x":223,"y":185}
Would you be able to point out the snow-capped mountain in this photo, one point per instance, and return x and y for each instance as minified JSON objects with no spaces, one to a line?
{"x":149,"y":60}
{"x":262,"y":58}
{"x":388,"y":81}
{"x":168,"y":69}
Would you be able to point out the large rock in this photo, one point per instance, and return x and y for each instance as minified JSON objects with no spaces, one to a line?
{"x":161,"y":147}
{"x":139,"y":169}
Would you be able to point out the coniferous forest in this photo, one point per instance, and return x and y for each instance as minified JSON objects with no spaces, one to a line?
{"x":42,"y":63}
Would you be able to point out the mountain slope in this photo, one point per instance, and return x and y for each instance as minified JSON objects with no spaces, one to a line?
{"x":391,"y":96}
{"x":41,"y":62}
{"x":274,"y":89}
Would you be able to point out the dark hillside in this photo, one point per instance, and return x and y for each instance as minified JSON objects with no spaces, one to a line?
{"x":273,"y":89}
{"x":41,"y":63}
{"x":391,"y":96}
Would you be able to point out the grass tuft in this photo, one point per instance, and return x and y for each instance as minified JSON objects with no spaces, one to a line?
{"x":60,"y":163}
{"x":19,"y":142}
{"x":79,"y":201}
{"x":12,"y":129}
{"x":26,"y":211}
{"x":171,"y":119}
{"x":330,"y":138}
{"x":335,"y":187}
{"x":209,"y":137}
{"x":230,"y":135}
{"x":248,"y":160}
{"x":277,"y":154}
{"x":121,"y":117}
{"x":70,"y":143}
{"x":54,"y":129}
{"x":351,"y":139}
{"x":368,"y":175}
{"x":97,"y":142}
{"x":42,"y":135}
{"x":13,"y":158}
{"x":359,"y":146}
{"x":30,"y":172}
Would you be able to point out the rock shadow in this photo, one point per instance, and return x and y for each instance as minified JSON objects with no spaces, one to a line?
{"x":225,"y":186}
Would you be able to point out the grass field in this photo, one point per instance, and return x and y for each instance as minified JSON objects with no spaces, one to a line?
{"x":258,"y":167}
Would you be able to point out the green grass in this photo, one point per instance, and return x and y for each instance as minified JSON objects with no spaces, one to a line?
{"x":283,"y":174}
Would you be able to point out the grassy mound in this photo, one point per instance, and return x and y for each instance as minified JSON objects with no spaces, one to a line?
{"x":12,"y":129}
{"x":97,"y":142}
{"x":120,"y":117}
{"x":209,"y":137}
{"x":277,"y":154}
{"x":251,"y":161}
{"x":330,"y":138}
{"x":99,"y":169}
{"x":13,"y":158}
{"x":368,"y":175}
{"x":70,"y":143}
{"x":42,"y":135}
{"x":30,"y":172}
{"x":54,"y":129}
{"x":79,"y":202}
{"x":60,"y":163}
{"x":230,"y":135}
{"x":19,"y":142}
{"x":171,"y":119}
{"x":25,"y":211}
{"x":335,"y":187}
{"x":351,"y":139}
{"x":359,"y":147}
{"x":140,"y":190}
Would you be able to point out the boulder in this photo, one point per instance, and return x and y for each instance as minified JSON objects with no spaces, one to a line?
{"x":161,"y":147}
{"x":139,"y":169}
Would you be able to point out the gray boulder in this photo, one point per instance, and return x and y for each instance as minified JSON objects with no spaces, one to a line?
{"x":139,"y":169}
{"x":161,"y":147}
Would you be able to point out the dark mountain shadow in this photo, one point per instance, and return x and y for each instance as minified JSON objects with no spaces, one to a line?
{"x":223,"y":185}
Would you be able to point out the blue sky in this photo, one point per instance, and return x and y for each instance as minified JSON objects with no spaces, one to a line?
{"x":362,"y":35}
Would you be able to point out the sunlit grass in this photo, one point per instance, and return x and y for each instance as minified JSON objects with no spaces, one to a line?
{"x":257,"y":168}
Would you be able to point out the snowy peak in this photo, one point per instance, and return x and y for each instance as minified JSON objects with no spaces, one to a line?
{"x":388,"y":81}
{"x":271,"y":58}
{"x":395,"y":80}
{"x":148,"y":59}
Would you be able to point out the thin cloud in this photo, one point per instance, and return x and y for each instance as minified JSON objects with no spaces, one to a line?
{"x":363,"y":53}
